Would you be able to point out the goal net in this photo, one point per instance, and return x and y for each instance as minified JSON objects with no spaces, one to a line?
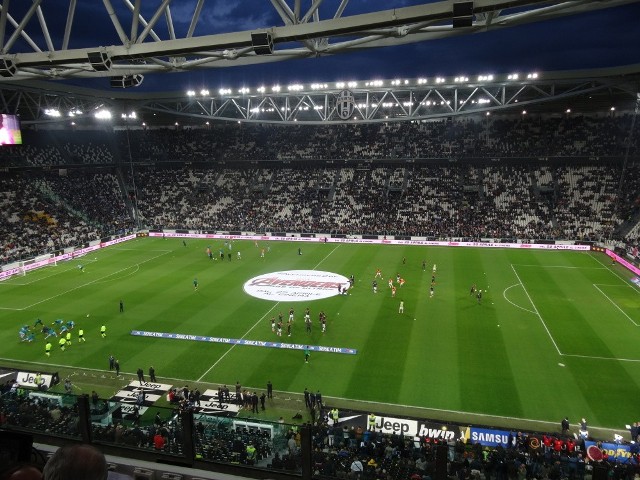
{"x":48,"y":260}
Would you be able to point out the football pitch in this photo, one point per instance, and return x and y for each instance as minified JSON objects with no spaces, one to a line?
{"x":556,"y":332}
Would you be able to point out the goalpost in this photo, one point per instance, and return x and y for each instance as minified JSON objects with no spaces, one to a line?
{"x":46,"y":260}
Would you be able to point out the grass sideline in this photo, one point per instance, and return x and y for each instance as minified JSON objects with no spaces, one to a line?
{"x":555,"y":334}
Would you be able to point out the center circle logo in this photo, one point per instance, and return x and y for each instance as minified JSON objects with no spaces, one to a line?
{"x":296,"y":285}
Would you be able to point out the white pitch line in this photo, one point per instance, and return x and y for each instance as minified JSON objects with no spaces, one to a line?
{"x":326,"y":256}
{"x":370,"y":402}
{"x":137,"y":265}
{"x":625,"y":280}
{"x":591,"y":357}
{"x":88,"y":283}
{"x":57,"y":272}
{"x":615,"y":305}
{"x":536,"y":310}
{"x":504,"y":294}
{"x":558,"y":266}
{"x":138,"y":250}
{"x":241,"y":338}
{"x":257,"y":323}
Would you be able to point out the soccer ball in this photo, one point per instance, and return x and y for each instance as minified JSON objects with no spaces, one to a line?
{"x":87,"y":315}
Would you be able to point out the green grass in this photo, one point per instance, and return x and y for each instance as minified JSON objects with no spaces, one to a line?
{"x":556,"y":333}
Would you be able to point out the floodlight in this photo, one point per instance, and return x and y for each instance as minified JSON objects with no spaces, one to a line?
{"x":7,"y":68}
{"x":100,"y":61}
{"x":102,"y":115}
{"x":262,"y":43}
{"x":462,"y":14}
{"x":126,"y":81}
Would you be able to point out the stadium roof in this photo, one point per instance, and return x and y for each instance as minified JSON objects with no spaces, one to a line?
{"x":48,"y":60}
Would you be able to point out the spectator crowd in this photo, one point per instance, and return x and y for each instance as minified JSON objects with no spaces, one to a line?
{"x":504,"y":177}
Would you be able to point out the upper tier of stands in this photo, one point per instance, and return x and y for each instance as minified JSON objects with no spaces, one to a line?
{"x":478,"y":137}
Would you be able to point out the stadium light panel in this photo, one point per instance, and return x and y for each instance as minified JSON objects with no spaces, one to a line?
{"x":191,"y":93}
{"x":204,"y":92}
{"x":613,"y":109}
{"x":51,"y":112}
{"x":275,"y":88}
{"x":103,"y":115}
{"x":352,"y":84}
{"x":340,"y":84}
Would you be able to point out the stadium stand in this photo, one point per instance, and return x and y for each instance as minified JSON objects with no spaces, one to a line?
{"x":513,"y":177}
{"x":504,"y":177}
{"x":330,"y":450}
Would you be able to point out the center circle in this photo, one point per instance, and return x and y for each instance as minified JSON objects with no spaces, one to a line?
{"x":296,"y":285}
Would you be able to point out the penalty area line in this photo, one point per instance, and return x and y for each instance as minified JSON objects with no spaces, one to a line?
{"x":97,"y":280}
{"x":616,"y":305}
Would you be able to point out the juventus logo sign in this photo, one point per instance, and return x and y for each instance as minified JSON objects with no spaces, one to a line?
{"x":345,"y":104}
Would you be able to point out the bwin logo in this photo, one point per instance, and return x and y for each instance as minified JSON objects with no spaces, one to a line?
{"x":345,"y":104}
